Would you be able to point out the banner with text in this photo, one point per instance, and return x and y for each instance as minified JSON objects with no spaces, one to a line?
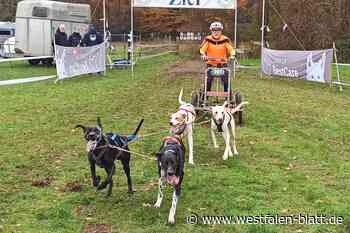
{"x":208,"y":4}
{"x":74,"y":61}
{"x":313,"y":65}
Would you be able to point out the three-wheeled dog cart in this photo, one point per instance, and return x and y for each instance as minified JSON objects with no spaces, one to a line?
{"x":202,"y":99}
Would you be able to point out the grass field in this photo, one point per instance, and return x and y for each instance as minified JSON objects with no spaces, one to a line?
{"x":294,"y":153}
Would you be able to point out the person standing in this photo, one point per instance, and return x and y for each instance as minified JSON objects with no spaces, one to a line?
{"x":74,"y":39}
{"x":92,"y":37}
{"x":61,"y":36}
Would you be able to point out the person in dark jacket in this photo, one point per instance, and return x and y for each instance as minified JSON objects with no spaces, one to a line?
{"x":61,"y":36}
{"x":74,"y":39}
{"x":92,"y":37}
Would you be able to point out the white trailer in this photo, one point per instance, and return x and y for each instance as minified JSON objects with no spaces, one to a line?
{"x":38,"y":20}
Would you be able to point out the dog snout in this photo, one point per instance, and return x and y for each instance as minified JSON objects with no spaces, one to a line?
{"x":91,"y":137}
{"x":171,"y":173}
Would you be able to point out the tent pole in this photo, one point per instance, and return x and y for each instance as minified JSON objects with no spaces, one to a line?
{"x":236,"y":14}
{"x":104,"y":30}
{"x":336,"y":62}
{"x":132,"y":37}
{"x":262,"y":36}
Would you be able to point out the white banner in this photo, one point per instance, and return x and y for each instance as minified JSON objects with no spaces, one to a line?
{"x":208,"y":4}
{"x":313,"y":65}
{"x":74,"y":61}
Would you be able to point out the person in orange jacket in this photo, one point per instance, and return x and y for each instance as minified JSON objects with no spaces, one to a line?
{"x":216,"y":50}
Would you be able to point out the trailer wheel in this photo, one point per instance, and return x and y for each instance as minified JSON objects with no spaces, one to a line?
{"x":47,"y":61}
{"x":34,"y":62}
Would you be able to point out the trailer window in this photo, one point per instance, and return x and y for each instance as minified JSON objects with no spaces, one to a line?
{"x":5,"y":33}
{"x":40,"y":11}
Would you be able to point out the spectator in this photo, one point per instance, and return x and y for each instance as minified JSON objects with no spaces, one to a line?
{"x":74,"y":39}
{"x":92,"y":37}
{"x":61,"y":36}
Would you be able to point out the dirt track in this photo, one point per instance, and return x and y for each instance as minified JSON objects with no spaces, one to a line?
{"x":194,"y":68}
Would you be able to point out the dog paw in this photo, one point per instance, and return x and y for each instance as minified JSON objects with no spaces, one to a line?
{"x":131,"y":191}
{"x":225,"y":157}
{"x":171,"y":220}
{"x":96,"y":181}
{"x":157,"y":205}
{"x":103,"y":185}
{"x":216,"y":146}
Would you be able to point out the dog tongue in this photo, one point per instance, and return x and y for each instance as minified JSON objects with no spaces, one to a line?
{"x":173,"y":180}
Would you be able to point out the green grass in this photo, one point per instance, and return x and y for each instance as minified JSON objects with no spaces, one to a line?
{"x":294,"y":153}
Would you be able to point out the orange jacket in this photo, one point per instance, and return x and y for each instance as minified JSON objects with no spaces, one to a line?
{"x":220,"y":48}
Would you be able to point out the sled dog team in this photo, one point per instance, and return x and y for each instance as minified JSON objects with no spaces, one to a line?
{"x":104,"y":148}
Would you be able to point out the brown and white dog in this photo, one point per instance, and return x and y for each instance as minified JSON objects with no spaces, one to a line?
{"x":223,"y":121}
{"x":182,"y":123}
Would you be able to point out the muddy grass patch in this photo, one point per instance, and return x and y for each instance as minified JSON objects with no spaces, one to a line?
{"x":193,"y":68}
{"x":42,"y":182}
{"x":98,"y":228}
{"x":74,"y":186}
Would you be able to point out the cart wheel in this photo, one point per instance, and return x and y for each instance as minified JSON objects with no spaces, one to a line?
{"x":195,"y":99}
{"x":239,"y":115}
{"x":34,"y":62}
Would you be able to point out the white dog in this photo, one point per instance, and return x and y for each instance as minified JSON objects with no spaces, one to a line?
{"x":315,"y":70}
{"x":182,"y":123}
{"x":222,"y":120}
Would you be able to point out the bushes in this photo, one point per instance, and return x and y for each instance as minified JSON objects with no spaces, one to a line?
{"x":343,"y":50}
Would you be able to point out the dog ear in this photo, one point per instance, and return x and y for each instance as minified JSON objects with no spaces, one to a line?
{"x":81,"y":126}
{"x":225,"y":105}
{"x":158,"y":155}
{"x":99,"y":123}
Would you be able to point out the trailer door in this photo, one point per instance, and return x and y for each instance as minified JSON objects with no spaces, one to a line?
{"x":40,"y":42}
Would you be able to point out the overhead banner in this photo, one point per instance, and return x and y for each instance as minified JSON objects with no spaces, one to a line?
{"x":74,"y":61}
{"x":204,"y":4}
{"x":313,"y":65}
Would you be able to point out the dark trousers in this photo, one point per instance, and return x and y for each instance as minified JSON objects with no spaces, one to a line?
{"x":224,"y":78}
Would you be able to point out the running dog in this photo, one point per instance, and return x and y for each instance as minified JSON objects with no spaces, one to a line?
{"x":223,"y":121}
{"x":182,"y":123}
{"x":171,"y":161}
{"x":103,"y":150}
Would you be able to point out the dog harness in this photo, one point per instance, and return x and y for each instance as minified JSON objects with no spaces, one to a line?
{"x":219,"y":126}
{"x":120,"y":140}
{"x":174,"y":144}
{"x":173,"y":139}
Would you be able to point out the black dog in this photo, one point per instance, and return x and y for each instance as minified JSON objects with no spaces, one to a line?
{"x":171,"y":162}
{"x":102,"y":151}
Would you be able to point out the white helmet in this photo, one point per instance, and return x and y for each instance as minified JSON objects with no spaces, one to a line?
{"x":216,"y":25}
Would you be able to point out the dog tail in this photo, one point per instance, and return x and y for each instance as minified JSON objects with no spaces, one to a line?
{"x":239,"y":107}
{"x":133,"y":136}
{"x":180,"y":97}
{"x":138,"y":127}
